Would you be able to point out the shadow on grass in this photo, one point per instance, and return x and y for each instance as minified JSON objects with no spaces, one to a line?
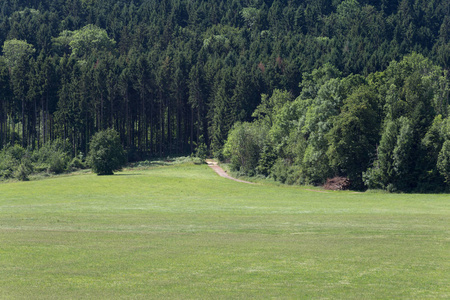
{"x":138,"y":174}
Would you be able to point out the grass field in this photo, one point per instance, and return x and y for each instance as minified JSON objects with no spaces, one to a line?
{"x":183,"y":232}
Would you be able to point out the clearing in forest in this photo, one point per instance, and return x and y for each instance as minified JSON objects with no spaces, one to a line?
{"x":183,"y":232}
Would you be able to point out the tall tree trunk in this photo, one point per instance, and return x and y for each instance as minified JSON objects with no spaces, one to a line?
{"x":161,"y":128}
{"x":35,"y":122}
{"x":23,"y":123}
{"x":169,"y":129}
{"x":192,"y":130}
{"x":101,"y":113}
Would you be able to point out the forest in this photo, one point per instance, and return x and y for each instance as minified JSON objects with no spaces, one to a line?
{"x":299,"y":91}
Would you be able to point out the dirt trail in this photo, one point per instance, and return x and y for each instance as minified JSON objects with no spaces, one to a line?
{"x":213,"y":165}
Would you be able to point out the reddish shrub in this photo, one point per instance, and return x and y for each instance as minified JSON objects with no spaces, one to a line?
{"x":337,"y":184}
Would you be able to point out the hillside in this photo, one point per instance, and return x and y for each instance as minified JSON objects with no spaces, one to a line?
{"x":172,"y":75}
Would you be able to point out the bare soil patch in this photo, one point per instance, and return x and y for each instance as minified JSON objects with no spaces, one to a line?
{"x":337,"y":184}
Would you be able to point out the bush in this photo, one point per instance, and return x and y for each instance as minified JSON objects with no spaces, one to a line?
{"x":373,"y":178}
{"x":198,"y":161}
{"x":16,"y":152}
{"x":25,"y":169}
{"x":76,"y":163}
{"x":22,"y":172}
{"x":58,"y":162}
{"x":10,"y":160}
{"x":52,"y":157}
{"x":266,"y":161}
{"x":106,"y":153}
{"x":244,"y":146}
{"x":280,"y":170}
{"x":201,"y":150}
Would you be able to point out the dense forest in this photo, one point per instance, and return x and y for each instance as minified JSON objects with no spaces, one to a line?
{"x":297,"y":90}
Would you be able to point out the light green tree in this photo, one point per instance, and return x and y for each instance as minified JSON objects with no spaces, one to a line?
{"x":250,"y":15}
{"x":16,"y":51}
{"x":244,"y":145}
{"x":270,"y":106}
{"x":85,"y":41}
{"x":106,"y":153}
{"x":403,"y":154}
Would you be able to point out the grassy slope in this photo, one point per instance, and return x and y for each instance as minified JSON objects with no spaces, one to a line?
{"x":183,"y":232}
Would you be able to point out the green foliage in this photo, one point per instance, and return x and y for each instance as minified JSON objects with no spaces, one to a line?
{"x":374,"y":178}
{"x":15,"y":51}
{"x":236,"y":147}
{"x":166,"y":73}
{"x":377,"y":131}
{"x":24,"y":169}
{"x":106,"y":153}
{"x":58,"y":163}
{"x":16,"y":152}
{"x":218,"y":43}
{"x":434,"y":138}
{"x":85,"y":41}
{"x":10,"y":159}
{"x":76,"y":163}
{"x":244,"y":145}
{"x":348,"y":10}
{"x":201,"y":150}
{"x":443,"y":162}
{"x":402,"y":155}
{"x":16,"y":162}
{"x":267,"y":159}
{"x":250,"y":15}
{"x":386,"y":153}
{"x":52,"y":157}
{"x":280,"y":170}
{"x":353,"y":138}
{"x":270,"y":106}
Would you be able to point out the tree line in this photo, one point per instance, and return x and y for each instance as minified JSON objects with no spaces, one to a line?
{"x":388,"y":130}
{"x":172,"y":75}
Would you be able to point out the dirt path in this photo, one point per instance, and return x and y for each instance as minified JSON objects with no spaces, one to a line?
{"x":213,"y":165}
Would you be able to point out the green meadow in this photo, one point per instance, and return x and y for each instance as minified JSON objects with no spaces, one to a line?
{"x":182,"y":232}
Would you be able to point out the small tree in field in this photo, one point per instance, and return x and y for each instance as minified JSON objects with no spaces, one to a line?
{"x":106,"y":153}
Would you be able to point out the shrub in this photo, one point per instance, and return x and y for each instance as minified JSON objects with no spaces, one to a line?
{"x":197,"y":160}
{"x":243,"y":147}
{"x":201,"y":150}
{"x":266,"y":160}
{"x":10,"y":158}
{"x":22,"y":172}
{"x":106,"y":153}
{"x":52,"y":157}
{"x":25,"y":169}
{"x":280,"y":170}
{"x":58,"y":162}
{"x":76,"y":163}
{"x":373,"y":178}
{"x":16,"y":152}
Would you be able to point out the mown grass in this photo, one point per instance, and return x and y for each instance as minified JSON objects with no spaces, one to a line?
{"x":183,"y":232}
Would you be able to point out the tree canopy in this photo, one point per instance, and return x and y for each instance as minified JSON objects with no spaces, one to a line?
{"x":171,"y":75}
{"x":106,"y":153}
